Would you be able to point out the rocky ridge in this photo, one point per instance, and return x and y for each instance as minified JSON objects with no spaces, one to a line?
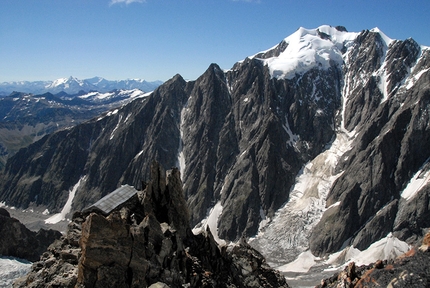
{"x":18,"y":241}
{"x":148,"y":243}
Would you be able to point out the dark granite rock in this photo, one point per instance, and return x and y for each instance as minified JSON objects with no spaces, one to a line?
{"x":18,"y":241}
{"x":377,"y":228}
{"x":385,"y":154}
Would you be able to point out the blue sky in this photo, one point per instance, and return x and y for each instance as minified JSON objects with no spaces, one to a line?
{"x":155,"y":39}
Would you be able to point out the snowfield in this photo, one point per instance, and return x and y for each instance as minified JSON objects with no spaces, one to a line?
{"x":307,"y":50}
{"x":67,"y":207}
{"x":387,"y":248}
{"x":212,"y":222}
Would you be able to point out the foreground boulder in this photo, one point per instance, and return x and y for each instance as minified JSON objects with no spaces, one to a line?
{"x":18,"y":241}
{"x":147,"y":242}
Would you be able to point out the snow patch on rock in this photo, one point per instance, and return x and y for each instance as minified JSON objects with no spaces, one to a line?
{"x":181,"y":157}
{"x":387,"y":248}
{"x":302,"y":264}
{"x":212,"y":222}
{"x":67,"y":207}
{"x":417,"y":182}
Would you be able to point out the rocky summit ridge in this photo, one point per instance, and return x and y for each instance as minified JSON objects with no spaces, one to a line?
{"x":354,"y":117}
{"x":147,"y":242}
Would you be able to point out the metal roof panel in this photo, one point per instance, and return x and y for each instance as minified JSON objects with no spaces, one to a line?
{"x":114,"y":199}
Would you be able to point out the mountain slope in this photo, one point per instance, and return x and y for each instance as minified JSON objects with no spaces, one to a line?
{"x":25,"y":118}
{"x":392,"y":128}
{"x":349,"y":110}
{"x":353,"y":193}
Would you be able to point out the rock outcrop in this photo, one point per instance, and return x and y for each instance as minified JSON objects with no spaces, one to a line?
{"x":145,"y":243}
{"x":409,"y":270}
{"x":18,"y":241}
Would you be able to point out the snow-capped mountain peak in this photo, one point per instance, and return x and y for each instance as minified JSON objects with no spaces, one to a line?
{"x":309,"y":48}
{"x":57,"y":82}
{"x":96,"y":80}
{"x":69,"y":85}
{"x":384,"y":37}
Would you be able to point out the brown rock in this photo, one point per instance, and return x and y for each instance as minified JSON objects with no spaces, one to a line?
{"x":379,"y":264}
{"x":426,"y":240}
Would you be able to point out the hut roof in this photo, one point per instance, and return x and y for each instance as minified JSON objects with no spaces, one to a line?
{"x":113,"y":200}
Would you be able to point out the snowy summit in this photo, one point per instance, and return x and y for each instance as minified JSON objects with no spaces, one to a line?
{"x":309,"y":48}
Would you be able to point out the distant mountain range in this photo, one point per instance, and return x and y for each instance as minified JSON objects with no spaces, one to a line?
{"x":30,"y":110}
{"x":73,"y":85}
{"x":25,"y":117}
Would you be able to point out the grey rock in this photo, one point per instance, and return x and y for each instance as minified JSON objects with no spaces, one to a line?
{"x":413,"y":216}
{"x":377,"y":228}
{"x":18,"y":241}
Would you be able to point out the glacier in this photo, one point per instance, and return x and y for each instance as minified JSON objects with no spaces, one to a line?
{"x":11,"y":269}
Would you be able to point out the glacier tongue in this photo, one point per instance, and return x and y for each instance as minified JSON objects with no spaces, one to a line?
{"x":11,"y":269}
{"x":284,"y":241}
{"x":287,"y":234}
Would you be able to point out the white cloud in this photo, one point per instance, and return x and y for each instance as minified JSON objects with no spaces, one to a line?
{"x":126,"y":2}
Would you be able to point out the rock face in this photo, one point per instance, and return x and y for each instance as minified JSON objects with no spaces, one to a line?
{"x":242,"y":137}
{"x":17,"y":241}
{"x":148,"y":242}
{"x":391,"y":127}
